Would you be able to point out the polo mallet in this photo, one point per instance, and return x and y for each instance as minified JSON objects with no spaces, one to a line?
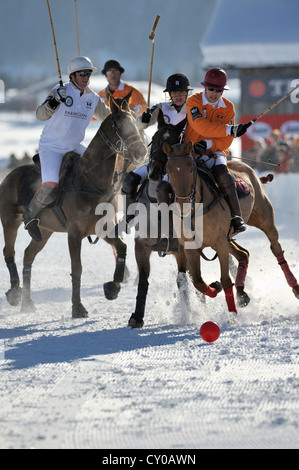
{"x":56,"y":53}
{"x":272,"y":106}
{"x":77,"y":29}
{"x":152,"y":38}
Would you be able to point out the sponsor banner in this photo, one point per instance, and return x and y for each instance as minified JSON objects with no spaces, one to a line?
{"x":267,"y":88}
{"x":288,"y":124}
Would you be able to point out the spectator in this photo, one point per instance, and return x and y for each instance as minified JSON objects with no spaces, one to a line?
{"x":269,"y":154}
{"x":283,"y":157}
{"x":294,"y":160}
{"x":256,"y":153}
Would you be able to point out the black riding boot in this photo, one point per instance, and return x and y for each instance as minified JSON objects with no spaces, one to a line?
{"x":129,"y":192}
{"x":43,"y":197}
{"x":227,"y":185}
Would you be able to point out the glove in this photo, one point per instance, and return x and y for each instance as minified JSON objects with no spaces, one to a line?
{"x":200,"y":148}
{"x":146,"y":117}
{"x":60,"y":94}
{"x":240,"y":129}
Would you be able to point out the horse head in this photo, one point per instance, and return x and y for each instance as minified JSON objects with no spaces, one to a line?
{"x":166,"y":133}
{"x":181,"y":168}
{"x":121,"y":131}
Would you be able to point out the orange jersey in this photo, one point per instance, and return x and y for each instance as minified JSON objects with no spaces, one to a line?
{"x":206,"y":123}
{"x":137,"y":100}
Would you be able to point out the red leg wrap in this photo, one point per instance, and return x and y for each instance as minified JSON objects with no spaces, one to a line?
{"x":230,"y":300}
{"x":241,"y":274}
{"x":291,"y":280}
{"x":210,"y":291}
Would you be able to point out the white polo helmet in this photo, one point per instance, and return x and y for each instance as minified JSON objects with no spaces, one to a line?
{"x":80,"y":63}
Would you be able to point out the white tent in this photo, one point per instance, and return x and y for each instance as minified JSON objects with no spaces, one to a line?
{"x":255,"y":33}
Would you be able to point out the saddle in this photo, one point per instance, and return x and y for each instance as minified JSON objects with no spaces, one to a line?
{"x":32,"y":181}
{"x":242,"y":187}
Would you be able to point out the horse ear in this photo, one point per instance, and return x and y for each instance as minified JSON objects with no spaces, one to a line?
{"x":189,"y":147}
{"x":180,"y":126}
{"x":166,"y":148}
{"x":128,"y":97}
{"x":112,"y":105}
{"x":161,"y":121}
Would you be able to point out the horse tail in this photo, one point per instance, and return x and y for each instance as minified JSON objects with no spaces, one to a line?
{"x":267,"y":179}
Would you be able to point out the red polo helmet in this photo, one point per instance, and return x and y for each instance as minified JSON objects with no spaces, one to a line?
{"x":216,"y":78}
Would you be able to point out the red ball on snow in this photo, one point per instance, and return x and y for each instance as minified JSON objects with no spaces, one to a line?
{"x":209,"y":331}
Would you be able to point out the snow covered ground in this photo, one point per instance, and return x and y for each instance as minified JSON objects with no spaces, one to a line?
{"x":96,"y":384}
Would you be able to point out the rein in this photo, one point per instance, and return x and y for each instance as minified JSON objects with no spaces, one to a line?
{"x":192,"y":196}
{"x":120,"y":146}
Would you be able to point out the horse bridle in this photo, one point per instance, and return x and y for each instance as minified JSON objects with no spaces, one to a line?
{"x":121,"y":145}
{"x":153,"y":158}
{"x":192,"y":194}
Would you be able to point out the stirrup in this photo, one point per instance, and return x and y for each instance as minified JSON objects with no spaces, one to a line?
{"x":165,"y":245}
{"x":33,"y":230}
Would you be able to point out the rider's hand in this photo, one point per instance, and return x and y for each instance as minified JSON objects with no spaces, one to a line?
{"x":146,"y":117}
{"x":240,"y":129}
{"x":60,"y":94}
{"x":200,"y":148}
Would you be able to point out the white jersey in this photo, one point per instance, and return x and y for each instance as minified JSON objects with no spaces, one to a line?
{"x":171,"y":116}
{"x":65,"y":130}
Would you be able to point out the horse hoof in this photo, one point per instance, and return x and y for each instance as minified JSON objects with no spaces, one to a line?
{"x":242,"y":298}
{"x":14,"y":296}
{"x":296,"y":291}
{"x":79,"y":311}
{"x":216,"y":286}
{"x":232,"y":319}
{"x":28,"y":306}
{"x":111,"y":291}
{"x":135,"y":322}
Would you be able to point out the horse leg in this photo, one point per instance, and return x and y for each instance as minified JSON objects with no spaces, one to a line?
{"x":10,"y":229}
{"x":242,"y":256}
{"x":193,"y":266}
{"x":227,"y":284}
{"x":265,"y":222}
{"x":182,"y":281}
{"x":142,"y":255}
{"x":74,"y":242}
{"x":30,"y":253}
{"x":112,"y":288}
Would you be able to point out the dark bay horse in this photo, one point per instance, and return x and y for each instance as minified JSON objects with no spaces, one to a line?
{"x":143,"y":245}
{"x":257,"y":211}
{"x":89,"y":184}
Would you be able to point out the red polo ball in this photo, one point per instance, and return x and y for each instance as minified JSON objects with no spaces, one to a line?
{"x":209,"y":331}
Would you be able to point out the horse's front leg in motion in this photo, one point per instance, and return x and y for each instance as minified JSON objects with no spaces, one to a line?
{"x":142,"y":255}
{"x":30,"y":253}
{"x":112,"y":288}
{"x":193,"y":265}
{"x":226,"y":282}
{"x":74,"y":241}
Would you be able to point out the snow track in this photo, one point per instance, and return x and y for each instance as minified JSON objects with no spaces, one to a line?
{"x":95,"y":383}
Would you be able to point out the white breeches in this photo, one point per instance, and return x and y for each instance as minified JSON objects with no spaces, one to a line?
{"x":210,"y":162}
{"x":142,"y":171}
{"x":50,"y":161}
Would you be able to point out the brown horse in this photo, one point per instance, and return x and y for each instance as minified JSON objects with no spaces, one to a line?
{"x":89,"y":184}
{"x":143,"y":245}
{"x":189,"y":185}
